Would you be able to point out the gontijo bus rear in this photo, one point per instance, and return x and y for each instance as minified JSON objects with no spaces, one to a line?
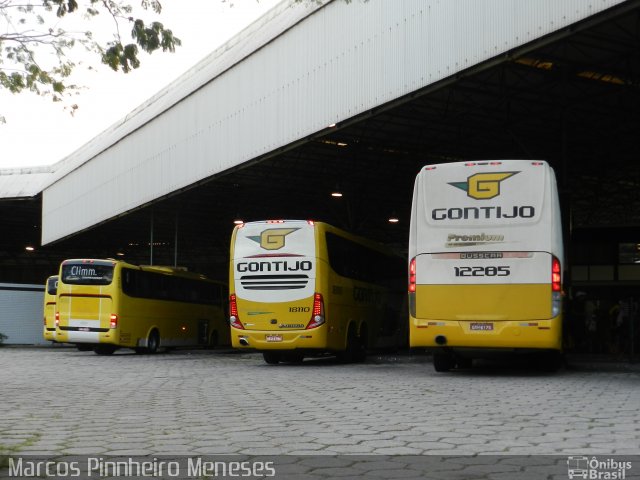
{"x":302,"y":287}
{"x":485,"y":260}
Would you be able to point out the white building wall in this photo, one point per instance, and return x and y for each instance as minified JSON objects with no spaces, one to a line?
{"x":21,"y":317}
{"x":319,"y":66}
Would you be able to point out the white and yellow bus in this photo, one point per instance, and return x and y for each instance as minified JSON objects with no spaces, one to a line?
{"x":50,"y":290}
{"x":485,"y":261}
{"x":306,"y":288}
{"x":108,"y":304}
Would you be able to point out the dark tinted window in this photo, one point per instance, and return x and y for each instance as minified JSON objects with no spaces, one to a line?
{"x":87,"y":273}
{"x":52,"y":285}
{"x":159,"y":286}
{"x":353,"y":260}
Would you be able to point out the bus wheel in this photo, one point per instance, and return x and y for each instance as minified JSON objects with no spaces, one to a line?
{"x":443,"y":362}
{"x":104,"y":349}
{"x":360,"y":349}
{"x":355,"y":350}
{"x":84,"y":347}
{"x":153,"y":342}
{"x":272,"y":358}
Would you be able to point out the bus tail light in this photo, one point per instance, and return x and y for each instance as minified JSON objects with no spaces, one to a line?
{"x":556,"y":276}
{"x":45,"y":321}
{"x":317,"y":314}
{"x":556,"y":287}
{"x":57,"y":319}
{"x":113,"y":321}
{"x":234,"y":318}
{"x":412,"y":287}
{"x":412,"y":275}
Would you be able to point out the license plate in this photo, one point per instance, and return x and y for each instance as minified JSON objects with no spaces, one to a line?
{"x":84,"y":329}
{"x":481,"y":326}
{"x":274,"y":338}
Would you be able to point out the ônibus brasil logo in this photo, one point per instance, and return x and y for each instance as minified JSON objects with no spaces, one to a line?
{"x":595,"y":468}
{"x":272,"y":238}
{"x":483,"y":186}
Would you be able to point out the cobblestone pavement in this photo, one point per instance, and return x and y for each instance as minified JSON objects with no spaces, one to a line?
{"x":59,"y":401}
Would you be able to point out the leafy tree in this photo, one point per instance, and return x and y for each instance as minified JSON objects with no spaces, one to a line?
{"x":35,"y":46}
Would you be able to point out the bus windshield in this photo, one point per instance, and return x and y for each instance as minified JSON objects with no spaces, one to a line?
{"x":81,"y":273}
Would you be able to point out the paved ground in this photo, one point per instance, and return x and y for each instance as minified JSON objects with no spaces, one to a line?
{"x":59,"y":401}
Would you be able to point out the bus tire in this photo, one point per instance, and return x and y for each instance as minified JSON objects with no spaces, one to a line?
{"x":84,"y":347}
{"x":360,"y":351}
{"x":272,"y":358}
{"x":104,"y":349}
{"x":443,"y":362}
{"x":153,"y":342}
{"x":354,"y":348}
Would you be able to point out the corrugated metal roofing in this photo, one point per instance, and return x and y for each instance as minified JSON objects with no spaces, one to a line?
{"x":28,"y":182}
{"x":250,"y":39}
{"x":24,"y":182}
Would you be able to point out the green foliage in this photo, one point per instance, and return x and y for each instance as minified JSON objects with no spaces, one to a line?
{"x":30,"y":39}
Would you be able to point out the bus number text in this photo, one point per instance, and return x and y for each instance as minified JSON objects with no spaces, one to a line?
{"x":490,"y":271}
{"x":299,"y":309}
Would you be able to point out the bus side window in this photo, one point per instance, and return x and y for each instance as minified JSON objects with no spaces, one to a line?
{"x":358,"y":262}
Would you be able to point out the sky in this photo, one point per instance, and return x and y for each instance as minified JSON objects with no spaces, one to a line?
{"x":40,"y":132}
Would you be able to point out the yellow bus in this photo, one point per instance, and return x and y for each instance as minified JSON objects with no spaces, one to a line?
{"x":50,"y":290}
{"x":108,"y":304}
{"x":486,"y":261}
{"x":306,"y":288}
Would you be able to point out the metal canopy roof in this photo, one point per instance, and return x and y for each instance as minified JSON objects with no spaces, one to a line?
{"x":573,"y":101}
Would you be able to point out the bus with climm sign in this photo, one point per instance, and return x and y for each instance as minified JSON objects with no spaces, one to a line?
{"x":109,"y":304}
{"x":303,"y":288}
{"x":50,"y":291}
{"x":485,"y":261}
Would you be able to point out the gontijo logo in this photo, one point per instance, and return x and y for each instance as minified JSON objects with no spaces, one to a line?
{"x":483,"y":186}
{"x":272,"y":238}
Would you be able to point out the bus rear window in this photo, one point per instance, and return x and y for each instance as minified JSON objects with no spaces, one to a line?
{"x":87,"y":274}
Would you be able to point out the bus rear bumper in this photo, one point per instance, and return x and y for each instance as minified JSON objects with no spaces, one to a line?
{"x":75,"y":336}
{"x":263,"y":340}
{"x":49,"y":334}
{"x":515,"y":334}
